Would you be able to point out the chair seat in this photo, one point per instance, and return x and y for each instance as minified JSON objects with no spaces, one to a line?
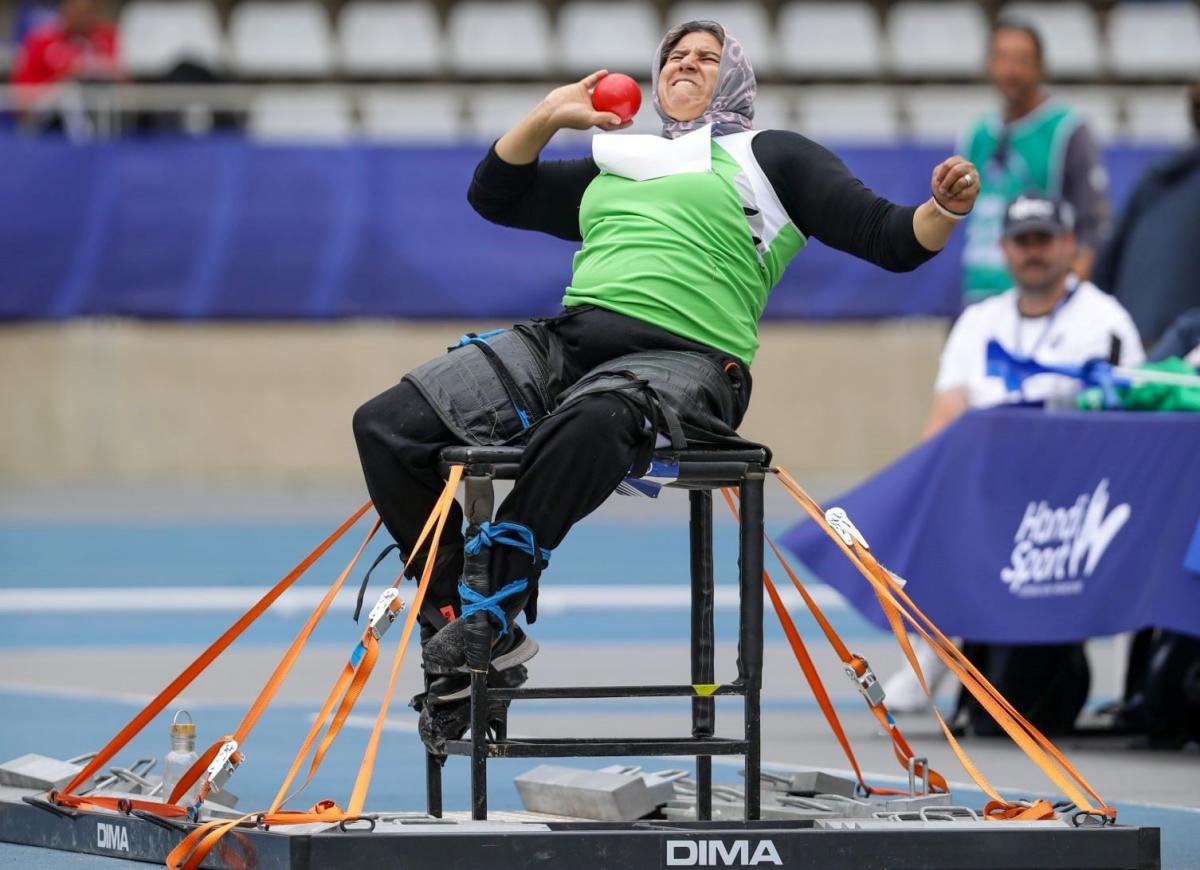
{"x":710,"y":465}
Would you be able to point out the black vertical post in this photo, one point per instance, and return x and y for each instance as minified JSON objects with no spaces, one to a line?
{"x":479,"y":500}
{"x":750,"y":630}
{"x":703,"y":670}
{"x":433,"y":785}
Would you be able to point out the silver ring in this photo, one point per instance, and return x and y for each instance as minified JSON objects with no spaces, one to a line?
{"x":969,"y":179}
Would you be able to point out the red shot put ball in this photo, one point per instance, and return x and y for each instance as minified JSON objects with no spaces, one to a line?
{"x":619,"y":94}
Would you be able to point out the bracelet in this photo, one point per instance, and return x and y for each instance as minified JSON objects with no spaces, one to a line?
{"x":955,"y":216}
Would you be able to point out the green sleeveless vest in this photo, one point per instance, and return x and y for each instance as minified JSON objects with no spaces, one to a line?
{"x":684,"y":251}
{"x":1032,"y":158}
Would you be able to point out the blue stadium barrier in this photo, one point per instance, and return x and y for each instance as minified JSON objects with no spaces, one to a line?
{"x":223,"y":228}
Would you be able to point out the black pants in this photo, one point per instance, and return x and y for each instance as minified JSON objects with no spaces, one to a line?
{"x":574,"y":459}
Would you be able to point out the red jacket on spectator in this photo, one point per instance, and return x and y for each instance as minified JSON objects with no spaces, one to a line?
{"x":50,"y":54}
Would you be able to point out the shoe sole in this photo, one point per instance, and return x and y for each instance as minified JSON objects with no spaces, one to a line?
{"x":459,"y":695}
{"x":518,"y":655}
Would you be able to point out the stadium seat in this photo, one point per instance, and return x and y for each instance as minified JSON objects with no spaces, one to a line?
{"x":943,"y":114}
{"x":775,"y":108}
{"x":377,"y":38}
{"x":828,"y":39}
{"x":620,"y":37}
{"x":285,"y":38}
{"x":848,"y":114}
{"x":493,"y":109}
{"x":929,"y":39}
{"x":1099,"y":107}
{"x":1158,"y":116}
{"x":156,"y":35}
{"x":318,"y":115}
{"x":500,"y":37}
{"x":746,"y":21}
{"x":1069,"y":32}
{"x":412,"y":114}
{"x":1154,"y":40}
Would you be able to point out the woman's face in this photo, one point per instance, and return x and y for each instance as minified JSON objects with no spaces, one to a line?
{"x":688,"y":78}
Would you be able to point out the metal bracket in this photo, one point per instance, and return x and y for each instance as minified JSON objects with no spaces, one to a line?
{"x":947,"y":813}
{"x":164,"y":823}
{"x":139,"y":782}
{"x":912,"y":775}
{"x":60,"y":811}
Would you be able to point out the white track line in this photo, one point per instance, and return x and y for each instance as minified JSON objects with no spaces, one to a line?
{"x":236,"y":599}
{"x":76,"y":693}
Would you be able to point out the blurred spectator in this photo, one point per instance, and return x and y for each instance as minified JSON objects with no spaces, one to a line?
{"x":75,"y":46}
{"x":1056,"y":318}
{"x":1050,"y":315}
{"x":1035,"y":143}
{"x":78,"y":44}
{"x":1140,"y":707}
{"x":1182,"y":339}
{"x":1151,"y":264}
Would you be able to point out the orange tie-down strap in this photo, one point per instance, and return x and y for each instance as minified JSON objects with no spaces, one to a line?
{"x":66,"y":795}
{"x":195,"y":847}
{"x":272,"y":684}
{"x":899,"y":608}
{"x":904,"y":753}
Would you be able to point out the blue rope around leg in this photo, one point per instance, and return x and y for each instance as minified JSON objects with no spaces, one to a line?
{"x":515,"y":535}
{"x":473,"y":602}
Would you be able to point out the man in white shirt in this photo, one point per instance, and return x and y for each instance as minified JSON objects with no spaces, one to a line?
{"x":1050,"y":316}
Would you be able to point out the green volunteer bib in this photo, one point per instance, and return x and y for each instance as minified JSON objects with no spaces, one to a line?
{"x":1032,"y":159}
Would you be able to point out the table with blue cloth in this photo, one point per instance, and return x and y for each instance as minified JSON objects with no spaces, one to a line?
{"x":1018,"y":525}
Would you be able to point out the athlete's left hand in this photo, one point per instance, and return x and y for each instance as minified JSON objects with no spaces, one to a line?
{"x":955,"y":184}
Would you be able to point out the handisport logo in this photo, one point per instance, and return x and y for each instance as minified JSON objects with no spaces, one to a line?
{"x":718,"y":853}
{"x":1054,"y":549}
{"x":114,"y":837}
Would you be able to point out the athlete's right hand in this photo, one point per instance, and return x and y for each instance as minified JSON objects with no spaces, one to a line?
{"x":571,"y":106}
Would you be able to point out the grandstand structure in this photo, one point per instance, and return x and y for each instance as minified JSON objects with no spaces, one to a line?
{"x":453,"y":70}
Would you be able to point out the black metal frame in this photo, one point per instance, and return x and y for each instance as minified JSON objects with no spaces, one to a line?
{"x":700,"y":471}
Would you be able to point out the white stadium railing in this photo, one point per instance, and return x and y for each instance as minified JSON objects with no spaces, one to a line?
{"x":330,"y":112}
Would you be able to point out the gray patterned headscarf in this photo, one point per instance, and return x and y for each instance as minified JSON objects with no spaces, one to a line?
{"x":732,"y":107}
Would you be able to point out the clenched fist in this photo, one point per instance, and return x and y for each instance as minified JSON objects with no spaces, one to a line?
{"x":955,"y":184}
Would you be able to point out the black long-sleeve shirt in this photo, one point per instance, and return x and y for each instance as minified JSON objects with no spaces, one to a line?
{"x":821,"y":197}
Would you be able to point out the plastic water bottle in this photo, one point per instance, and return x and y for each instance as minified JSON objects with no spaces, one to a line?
{"x":182,"y":756}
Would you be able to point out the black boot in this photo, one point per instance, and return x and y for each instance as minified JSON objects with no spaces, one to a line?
{"x":446,"y":651}
{"x":445,"y":706}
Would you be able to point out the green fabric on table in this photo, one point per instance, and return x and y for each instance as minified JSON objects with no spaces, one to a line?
{"x":1150,"y":397}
